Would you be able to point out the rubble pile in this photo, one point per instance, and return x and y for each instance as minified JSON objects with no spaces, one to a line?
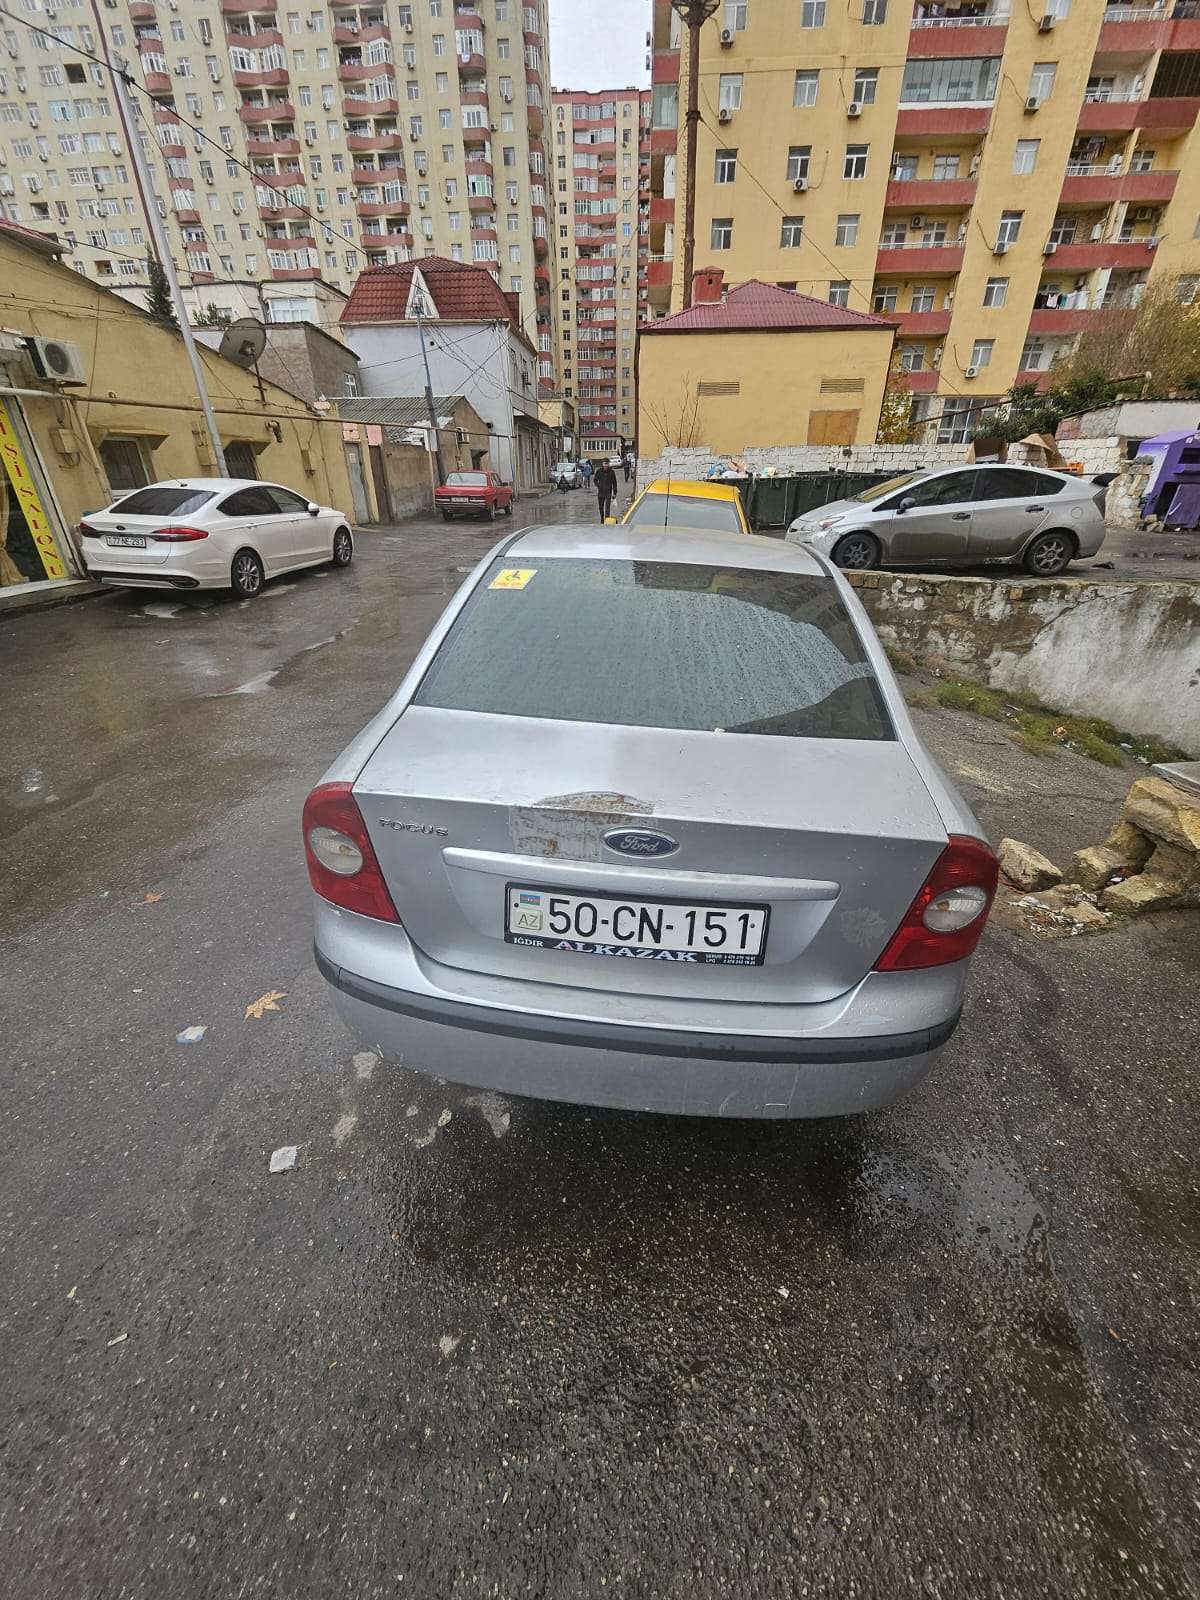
{"x":1151,"y":860}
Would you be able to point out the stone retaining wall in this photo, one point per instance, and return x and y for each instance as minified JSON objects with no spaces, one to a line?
{"x":785,"y":459}
{"x":1128,"y":652}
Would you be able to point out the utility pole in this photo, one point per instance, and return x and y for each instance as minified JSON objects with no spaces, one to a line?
{"x":162,"y":245}
{"x":433,"y":421}
{"x":694,"y":14}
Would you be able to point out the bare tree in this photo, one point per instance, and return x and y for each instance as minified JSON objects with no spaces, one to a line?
{"x":676,"y":420}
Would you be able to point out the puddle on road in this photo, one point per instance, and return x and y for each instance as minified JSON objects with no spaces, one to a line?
{"x":264,"y":680}
{"x":162,"y":608}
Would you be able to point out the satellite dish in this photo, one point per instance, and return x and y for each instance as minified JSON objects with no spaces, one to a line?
{"x":244,"y":341}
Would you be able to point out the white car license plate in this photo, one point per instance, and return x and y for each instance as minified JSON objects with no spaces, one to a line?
{"x":649,"y":930}
{"x":131,"y":541}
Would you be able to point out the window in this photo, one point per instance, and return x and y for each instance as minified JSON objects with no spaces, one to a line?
{"x":981,"y":352}
{"x":730,"y":91}
{"x":846,"y":232}
{"x":1009,"y":230}
{"x":839,"y":292}
{"x":1063,"y":230}
{"x":1006,"y":483}
{"x":948,"y":79}
{"x":866,"y":82}
{"x":912,"y":357}
{"x":922,"y":297}
{"x":1033,"y":356}
{"x":792,"y":233}
{"x":884,"y":297}
{"x":1186,"y":288}
{"x":854,"y":164}
{"x":802,"y":670}
{"x":664,"y":105}
{"x":726,"y":169}
{"x":1142,"y":160}
{"x":995,"y":292}
{"x":734,"y":17}
{"x":959,"y":419}
{"x":1041,"y":80}
{"x":1025,"y":154}
{"x":812,"y":13}
{"x":799,"y":156}
{"x":894,"y":236}
{"x":945,"y":168}
{"x":874,"y":13}
{"x":722,"y":233}
{"x":804,"y":90}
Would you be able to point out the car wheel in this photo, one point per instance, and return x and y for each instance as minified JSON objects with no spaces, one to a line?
{"x":343,"y":548}
{"x":508,"y":509}
{"x":1049,"y":554}
{"x":445,"y":516}
{"x":857,"y":552}
{"x":246,"y":575}
{"x":492,"y":512}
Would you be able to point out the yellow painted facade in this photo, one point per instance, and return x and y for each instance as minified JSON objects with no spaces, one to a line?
{"x":773,"y":384}
{"x":139,"y":404}
{"x":931,"y":105}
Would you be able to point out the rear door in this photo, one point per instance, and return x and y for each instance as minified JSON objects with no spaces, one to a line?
{"x":937,"y":525}
{"x":732,"y":715}
{"x":1009,"y":506}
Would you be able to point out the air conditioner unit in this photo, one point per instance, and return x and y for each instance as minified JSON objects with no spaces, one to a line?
{"x":917,"y":222}
{"x":1000,"y":248}
{"x":56,"y":360}
{"x":970,"y":372}
{"x":724,"y":115}
{"x":800,"y":186}
{"x":1032,"y":103}
{"x":1046,"y":23}
{"x":1152,"y":242}
{"x":1049,"y":247}
{"x":726,"y":38}
{"x":408,"y":28}
{"x":309,"y":138}
{"x":854,"y":109}
{"x":1097,"y":233}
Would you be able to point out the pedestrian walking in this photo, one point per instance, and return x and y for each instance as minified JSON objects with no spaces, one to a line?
{"x":586,"y":469}
{"x":627,"y":465}
{"x":606,"y":489}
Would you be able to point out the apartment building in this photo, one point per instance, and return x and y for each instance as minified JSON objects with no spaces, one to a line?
{"x":988,"y":175}
{"x":601,"y":177}
{"x":373,"y":132}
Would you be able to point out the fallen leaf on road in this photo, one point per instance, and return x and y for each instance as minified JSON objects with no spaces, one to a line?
{"x":150,"y":899}
{"x":265,"y":1002}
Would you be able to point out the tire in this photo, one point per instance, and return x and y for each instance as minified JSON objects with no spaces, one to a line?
{"x":1049,"y":554}
{"x":857,"y":552}
{"x":343,"y":547}
{"x":508,"y":509}
{"x":246,"y":575}
{"x":491,"y":512}
{"x":446,"y":517}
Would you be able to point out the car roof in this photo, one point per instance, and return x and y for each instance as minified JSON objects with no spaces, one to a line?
{"x":696,"y":546}
{"x":213,"y":485}
{"x":700,"y":489}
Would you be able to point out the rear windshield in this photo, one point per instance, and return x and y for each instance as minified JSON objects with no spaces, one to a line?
{"x":659,"y":644}
{"x":467,"y":480}
{"x":164,"y":502}
{"x":685,"y":511}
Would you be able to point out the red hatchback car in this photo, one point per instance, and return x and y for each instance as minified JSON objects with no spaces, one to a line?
{"x":474,"y":494}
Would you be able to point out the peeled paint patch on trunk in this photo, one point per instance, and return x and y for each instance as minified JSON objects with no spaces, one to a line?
{"x":572,"y":825}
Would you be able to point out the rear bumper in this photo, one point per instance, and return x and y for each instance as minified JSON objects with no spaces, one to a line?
{"x":843,"y":1067}
{"x":157,"y":579}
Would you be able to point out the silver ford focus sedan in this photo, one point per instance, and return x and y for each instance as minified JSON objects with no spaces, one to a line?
{"x":647,"y":825}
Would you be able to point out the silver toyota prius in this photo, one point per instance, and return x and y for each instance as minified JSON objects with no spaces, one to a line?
{"x":647,"y":825}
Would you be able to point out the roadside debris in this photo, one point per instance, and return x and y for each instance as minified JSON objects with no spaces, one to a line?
{"x":284,"y":1159}
{"x":120,"y":1339}
{"x":1065,"y":910}
{"x":1026,"y":867}
{"x":265,"y":1002}
{"x":1155,"y":846}
{"x":191,"y":1035}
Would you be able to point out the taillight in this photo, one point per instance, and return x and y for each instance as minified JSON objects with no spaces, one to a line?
{"x":341,"y":861}
{"x":88,"y":532}
{"x":178,"y":535}
{"x":946,"y":919}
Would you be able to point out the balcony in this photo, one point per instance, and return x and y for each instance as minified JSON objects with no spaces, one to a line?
{"x":355,"y":71}
{"x":381,"y":208}
{"x":1096,"y":185}
{"x":283,"y":213}
{"x":923,"y":382}
{"x":383,"y":241}
{"x":140,"y":11}
{"x":924,"y":194}
{"x":920,"y":260}
{"x":158,"y":83}
{"x":273,"y":147}
{"x":472,"y":65}
{"x":273,"y":78}
{"x":1134,"y":255}
{"x":665,"y":67}
{"x":659,"y":272}
{"x":926,"y":119}
{"x":957,"y":36}
{"x":663,"y":140}
{"x":186,"y":216}
{"x":355,"y":106}
{"x":375,"y":141}
{"x":541,"y":245}
{"x":481,"y":202}
{"x":150,"y":42}
{"x":240,"y":8}
{"x":276,"y":111}
{"x":474,"y":97}
{"x":263,"y":39}
{"x":346,"y":35}
{"x":480,"y":135}
{"x":481,"y":230}
{"x":477,"y":166}
{"x":1168,"y":114}
{"x":912,"y":324}
{"x":1059,"y":320}
{"x":294,"y":274}
{"x":534,"y":119}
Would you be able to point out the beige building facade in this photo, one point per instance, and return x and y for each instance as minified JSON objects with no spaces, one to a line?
{"x":342,"y":135}
{"x":601,"y":190}
{"x":987,"y":175}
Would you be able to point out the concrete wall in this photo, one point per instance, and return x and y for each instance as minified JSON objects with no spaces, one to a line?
{"x":895,"y":458}
{"x":1123,"y":651}
{"x":309,"y":362}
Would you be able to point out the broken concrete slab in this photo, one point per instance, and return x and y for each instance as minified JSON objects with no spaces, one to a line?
{"x":1167,"y":813}
{"x":1130,"y":847}
{"x":1139,"y":894}
{"x":1095,"y":866}
{"x":1026,"y":867}
{"x":1085,"y":915}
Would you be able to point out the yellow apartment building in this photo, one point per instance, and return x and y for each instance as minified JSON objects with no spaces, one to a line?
{"x":989,"y":175}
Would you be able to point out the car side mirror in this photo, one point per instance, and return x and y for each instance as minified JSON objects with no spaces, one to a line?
{"x":314,"y":509}
{"x":905,"y":505}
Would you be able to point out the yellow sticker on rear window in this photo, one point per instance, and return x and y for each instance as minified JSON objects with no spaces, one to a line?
{"x":513,"y":578}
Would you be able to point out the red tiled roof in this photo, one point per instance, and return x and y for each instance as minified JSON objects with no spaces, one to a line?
{"x":460,"y":291}
{"x":47,"y":243}
{"x":755,"y":305}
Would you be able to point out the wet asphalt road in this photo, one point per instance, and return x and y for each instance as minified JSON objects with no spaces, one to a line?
{"x":484,"y":1347}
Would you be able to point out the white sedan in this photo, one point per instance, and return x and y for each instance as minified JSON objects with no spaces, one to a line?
{"x":211,"y":533}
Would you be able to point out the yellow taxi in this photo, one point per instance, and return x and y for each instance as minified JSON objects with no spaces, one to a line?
{"x":689,"y":503}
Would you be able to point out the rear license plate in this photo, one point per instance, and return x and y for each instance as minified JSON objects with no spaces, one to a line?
{"x":648,"y":930}
{"x":131,"y":541}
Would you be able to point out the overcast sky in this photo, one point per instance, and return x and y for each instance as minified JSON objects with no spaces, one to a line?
{"x":599,"y":44}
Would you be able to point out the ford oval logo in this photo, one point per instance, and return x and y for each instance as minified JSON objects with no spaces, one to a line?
{"x":640,"y":842}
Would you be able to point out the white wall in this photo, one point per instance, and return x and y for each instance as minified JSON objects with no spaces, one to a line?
{"x":472,"y":359}
{"x":896,"y":458}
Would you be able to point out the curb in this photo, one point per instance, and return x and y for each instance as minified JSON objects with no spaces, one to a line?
{"x":44,"y":598}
